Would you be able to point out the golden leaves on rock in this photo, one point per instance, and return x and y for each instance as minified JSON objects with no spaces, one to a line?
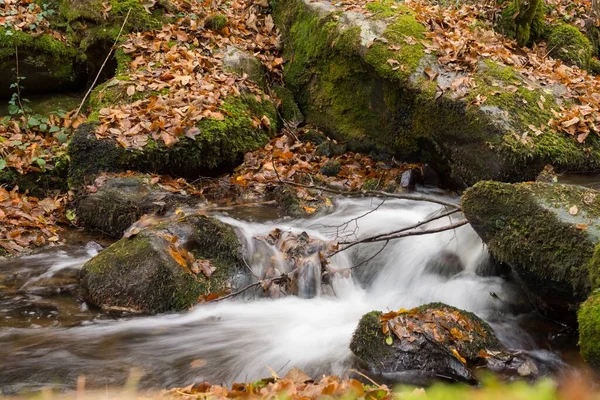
{"x":444,"y":325}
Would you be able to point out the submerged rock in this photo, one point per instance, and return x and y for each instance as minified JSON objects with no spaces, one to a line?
{"x":121,"y":201}
{"x":445,"y":263}
{"x":166,"y":267}
{"x":430,"y":342}
{"x":547,"y":233}
{"x":367,"y":79}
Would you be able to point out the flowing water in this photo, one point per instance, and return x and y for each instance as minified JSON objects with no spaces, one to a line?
{"x":238,"y":339}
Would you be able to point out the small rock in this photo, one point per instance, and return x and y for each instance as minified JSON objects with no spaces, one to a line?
{"x":409,"y":178}
{"x":331,"y":168}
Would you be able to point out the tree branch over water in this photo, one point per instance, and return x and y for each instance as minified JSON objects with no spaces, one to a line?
{"x":402,"y":196}
{"x":405,"y":232}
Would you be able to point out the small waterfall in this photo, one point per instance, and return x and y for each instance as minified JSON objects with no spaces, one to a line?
{"x":238,"y":339}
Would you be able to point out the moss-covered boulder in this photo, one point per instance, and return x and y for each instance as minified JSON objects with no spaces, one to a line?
{"x":165,"y":267}
{"x":547,"y":233}
{"x":220,"y":145}
{"x":367,"y":80}
{"x":121,"y":201}
{"x":588,"y":318}
{"x":567,"y":43}
{"x":431,"y":341}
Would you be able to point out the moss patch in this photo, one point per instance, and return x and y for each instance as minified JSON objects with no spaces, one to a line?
{"x":567,"y":43}
{"x":588,"y":318}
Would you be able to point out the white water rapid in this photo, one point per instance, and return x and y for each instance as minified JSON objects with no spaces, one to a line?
{"x":237,"y":339}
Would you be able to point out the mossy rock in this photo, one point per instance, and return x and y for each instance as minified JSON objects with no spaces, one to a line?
{"x":220,"y":146}
{"x":567,"y":43}
{"x":121,"y":201}
{"x":46,"y":63}
{"x":588,"y":318}
{"x":144,"y":274}
{"x":241,"y":63}
{"x":547,"y":233}
{"x":423,"y":354}
{"x":361,"y":92}
{"x":216,"y":22}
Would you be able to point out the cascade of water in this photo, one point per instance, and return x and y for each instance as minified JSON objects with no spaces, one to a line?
{"x":236,"y":339}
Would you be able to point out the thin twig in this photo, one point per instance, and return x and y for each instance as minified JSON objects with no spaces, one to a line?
{"x":103,"y":64}
{"x":389,"y":235}
{"x":19,"y":82}
{"x":373,"y":256}
{"x":365,"y":376}
{"x":402,"y":196}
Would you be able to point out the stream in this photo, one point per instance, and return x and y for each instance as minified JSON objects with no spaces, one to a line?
{"x":49,"y":336}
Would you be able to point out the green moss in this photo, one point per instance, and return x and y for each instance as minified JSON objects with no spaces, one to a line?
{"x":382,"y":9}
{"x":331,"y":168}
{"x":218,"y":243}
{"x":404,"y":28}
{"x":368,"y":340}
{"x":371,"y":184}
{"x":528,"y":226}
{"x":44,"y":44}
{"x":567,"y":43}
{"x":523,"y":21}
{"x":138,"y":272}
{"x":588,"y":318}
{"x":288,"y":108}
{"x":216,"y":22}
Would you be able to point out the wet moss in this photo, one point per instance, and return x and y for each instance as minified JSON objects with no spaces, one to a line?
{"x":368,"y":340}
{"x":567,"y":43}
{"x":288,"y":108}
{"x":528,"y":226}
{"x":331,"y":168}
{"x":369,"y":343}
{"x":588,"y":318}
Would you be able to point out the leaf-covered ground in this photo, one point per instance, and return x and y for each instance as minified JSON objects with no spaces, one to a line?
{"x":178,"y":71}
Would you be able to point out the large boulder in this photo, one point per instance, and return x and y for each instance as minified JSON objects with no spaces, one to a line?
{"x":432,"y":341}
{"x":367,"y":78}
{"x":165,"y":267}
{"x":547,"y":233}
{"x":121,"y":201}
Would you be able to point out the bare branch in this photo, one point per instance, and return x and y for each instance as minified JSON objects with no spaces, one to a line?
{"x":402,"y":196}
{"x":392,"y":235}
